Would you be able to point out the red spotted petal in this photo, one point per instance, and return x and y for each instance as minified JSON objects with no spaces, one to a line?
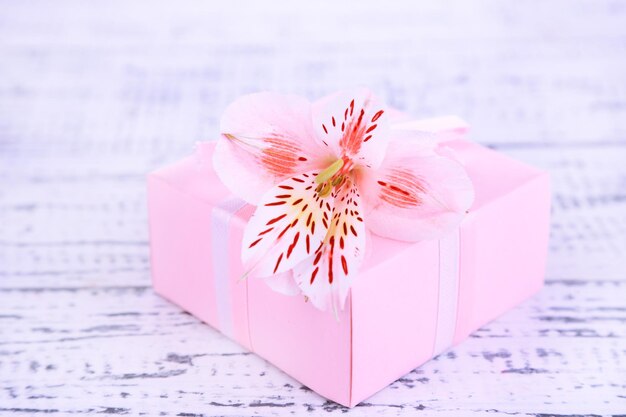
{"x":353,"y":124}
{"x":326,"y":277}
{"x":416,"y":194}
{"x":266,"y":138}
{"x":289,"y":223}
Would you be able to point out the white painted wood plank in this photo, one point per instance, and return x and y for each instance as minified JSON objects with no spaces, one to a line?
{"x":75,"y":349}
{"x":519,"y":73}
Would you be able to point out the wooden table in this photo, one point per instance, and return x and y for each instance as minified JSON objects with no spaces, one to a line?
{"x":93,"y":96}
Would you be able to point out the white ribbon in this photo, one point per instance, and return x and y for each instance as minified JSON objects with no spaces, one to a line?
{"x":448,"y":292}
{"x":221,"y":216}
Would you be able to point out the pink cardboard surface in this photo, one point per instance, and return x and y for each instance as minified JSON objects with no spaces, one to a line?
{"x":389,"y":324}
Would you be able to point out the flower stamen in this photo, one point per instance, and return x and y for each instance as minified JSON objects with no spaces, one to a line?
{"x":329,"y":171}
{"x":337,"y":180}
{"x":325,"y":190}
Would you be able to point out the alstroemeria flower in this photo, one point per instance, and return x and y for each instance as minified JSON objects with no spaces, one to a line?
{"x":323,"y":174}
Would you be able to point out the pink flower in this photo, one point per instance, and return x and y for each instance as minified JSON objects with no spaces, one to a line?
{"x":321,"y":176}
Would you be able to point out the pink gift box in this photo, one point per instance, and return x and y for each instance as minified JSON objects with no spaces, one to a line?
{"x":410,"y":301}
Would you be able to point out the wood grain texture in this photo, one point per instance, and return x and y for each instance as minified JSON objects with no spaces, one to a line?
{"x":93,"y":96}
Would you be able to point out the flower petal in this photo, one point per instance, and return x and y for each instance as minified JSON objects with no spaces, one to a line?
{"x":415,"y":194}
{"x":445,"y":127}
{"x":289,"y":223}
{"x":405,"y":142}
{"x":326,"y":277}
{"x":353,"y":124}
{"x":265,"y":138}
{"x":283,"y":283}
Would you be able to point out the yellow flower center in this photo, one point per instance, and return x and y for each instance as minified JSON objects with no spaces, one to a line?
{"x":328,"y":178}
